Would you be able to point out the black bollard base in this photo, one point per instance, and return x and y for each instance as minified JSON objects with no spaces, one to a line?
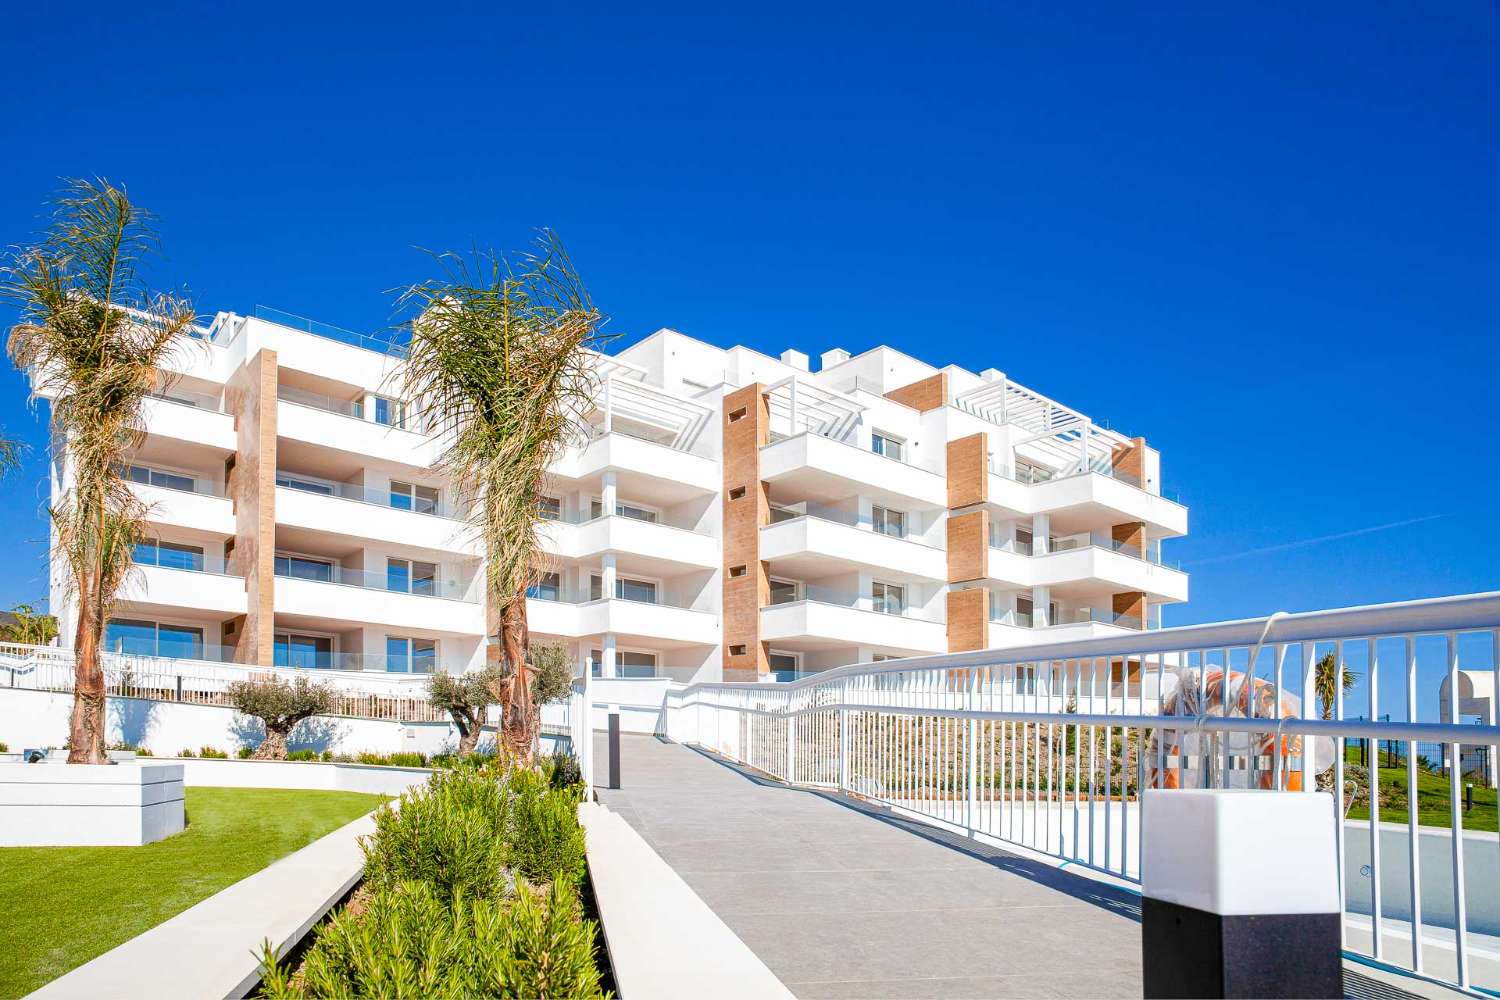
{"x":614,"y":749}
{"x":1193,"y":953}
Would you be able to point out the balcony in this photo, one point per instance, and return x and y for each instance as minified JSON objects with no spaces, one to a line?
{"x":1087,"y":557}
{"x":349,"y":595}
{"x":652,"y":462}
{"x":655,"y":548}
{"x":189,"y":417}
{"x":359,"y":512}
{"x":660,"y":623}
{"x":821,"y":618}
{"x":182,"y":578}
{"x":1113,"y":495}
{"x":181,"y":501}
{"x":343,"y":425}
{"x":824,"y":540}
{"x":823,"y":469}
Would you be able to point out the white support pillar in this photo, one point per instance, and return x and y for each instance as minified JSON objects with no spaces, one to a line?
{"x":1041,"y":607}
{"x":1041,"y":534}
{"x":608,"y":577}
{"x":607,"y":655}
{"x":609,"y":407}
{"x":611,"y":493}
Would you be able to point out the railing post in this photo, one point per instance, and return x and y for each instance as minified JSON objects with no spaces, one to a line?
{"x":791,"y":746}
{"x":971,"y":748}
{"x":844,"y":737}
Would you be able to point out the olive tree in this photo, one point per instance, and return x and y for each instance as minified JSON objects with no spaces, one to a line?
{"x":280,"y":705}
{"x":466,"y":698}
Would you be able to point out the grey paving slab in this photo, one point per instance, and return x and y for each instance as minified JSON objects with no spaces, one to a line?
{"x":841,"y":900}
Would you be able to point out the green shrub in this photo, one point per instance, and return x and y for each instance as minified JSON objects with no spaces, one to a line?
{"x":327,"y":756}
{"x":186,"y":753}
{"x":243,"y":753}
{"x":409,"y":942}
{"x":546,"y":840}
{"x":212,"y":753}
{"x":4,"y":747}
{"x":450,"y":834}
{"x":563,"y":771}
{"x":302,"y":755}
{"x":366,"y":757}
{"x":408,"y":758}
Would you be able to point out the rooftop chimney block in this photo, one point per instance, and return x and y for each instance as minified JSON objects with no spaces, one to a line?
{"x":837,"y":356}
{"x":795,"y":359}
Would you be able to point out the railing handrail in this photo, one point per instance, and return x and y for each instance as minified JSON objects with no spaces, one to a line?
{"x":1426,"y":616}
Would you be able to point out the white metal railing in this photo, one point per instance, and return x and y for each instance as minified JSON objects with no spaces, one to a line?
{"x":204,"y":682}
{"x":1048,"y":746}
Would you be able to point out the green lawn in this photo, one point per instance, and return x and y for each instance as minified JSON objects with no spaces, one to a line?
{"x":62,"y":906}
{"x":1432,"y":799}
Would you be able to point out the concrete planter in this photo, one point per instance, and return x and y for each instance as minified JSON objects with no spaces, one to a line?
{"x":84,"y":805}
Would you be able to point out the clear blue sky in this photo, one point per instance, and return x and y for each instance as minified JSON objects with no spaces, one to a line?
{"x":1264,"y":238}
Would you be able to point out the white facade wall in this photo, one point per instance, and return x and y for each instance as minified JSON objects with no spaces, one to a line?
{"x":654,"y":453}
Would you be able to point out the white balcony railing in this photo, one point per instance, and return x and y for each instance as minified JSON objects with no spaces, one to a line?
{"x":1048,"y":747}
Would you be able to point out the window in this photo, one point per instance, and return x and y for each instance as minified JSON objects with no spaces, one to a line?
{"x":295,"y":482}
{"x":882,"y":443}
{"x":410,"y":656}
{"x":1023,"y":541}
{"x":737,"y":415}
{"x":880,"y":657}
{"x":736,"y":571}
{"x":596,"y":510}
{"x":422,"y":499}
{"x":171,"y":555}
{"x":409,"y":576}
{"x":784,"y":666}
{"x":142,"y":638}
{"x":157,"y":477}
{"x":737,"y":493}
{"x":889,"y":522}
{"x":548,"y":587}
{"x":303,"y":568}
{"x":889,"y":599}
{"x":737,"y":650}
{"x":1026,"y":613}
{"x":783,"y":591}
{"x":549,"y":508}
{"x":1028,"y":473}
{"x":391,"y":412}
{"x":627,"y":663}
{"x":626,"y":589}
{"x":312,"y":652}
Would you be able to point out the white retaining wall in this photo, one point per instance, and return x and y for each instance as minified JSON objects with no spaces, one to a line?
{"x":40,"y":719}
{"x":315,"y":775}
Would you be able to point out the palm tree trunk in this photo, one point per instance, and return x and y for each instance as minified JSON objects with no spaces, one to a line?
{"x":86,"y":726}
{"x":518,"y":709}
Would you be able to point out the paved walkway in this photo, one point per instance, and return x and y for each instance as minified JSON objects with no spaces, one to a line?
{"x":840,"y":900}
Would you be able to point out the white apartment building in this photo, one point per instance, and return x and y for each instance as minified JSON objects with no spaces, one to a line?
{"x":725,"y":514}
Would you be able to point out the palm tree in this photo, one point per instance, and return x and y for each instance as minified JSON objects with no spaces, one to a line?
{"x":28,"y":626}
{"x":499,"y":366}
{"x":93,"y":338}
{"x":1326,"y":675}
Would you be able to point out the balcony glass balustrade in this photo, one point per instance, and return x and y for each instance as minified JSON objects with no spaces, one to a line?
{"x":168,"y":480}
{"x":1065,"y":616}
{"x":185,"y":397}
{"x":399,"y":578}
{"x":1079,"y":540}
{"x":178,"y":555}
{"x":398,"y":497}
{"x":892,"y":601}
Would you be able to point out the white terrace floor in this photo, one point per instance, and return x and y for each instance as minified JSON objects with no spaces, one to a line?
{"x":843,"y":901}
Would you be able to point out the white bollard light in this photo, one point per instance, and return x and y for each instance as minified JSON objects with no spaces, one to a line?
{"x":1240,"y":894}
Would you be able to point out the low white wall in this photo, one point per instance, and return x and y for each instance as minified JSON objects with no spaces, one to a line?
{"x":376,"y":779}
{"x":76,"y":805}
{"x":40,"y":719}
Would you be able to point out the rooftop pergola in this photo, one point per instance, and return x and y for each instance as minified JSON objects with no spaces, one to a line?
{"x":797,"y":406}
{"x":1056,"y":434}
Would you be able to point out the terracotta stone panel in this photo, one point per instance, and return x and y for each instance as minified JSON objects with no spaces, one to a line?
{"x":251,"y":398}
{"x":1131,"y":602}
{"x":968,"y":546}
{"x":746,"y":425}
{"x":968,"y":619}
{"x":1131,"y":459}
{"x":923,"y":395}
{"x":968,"y":471}
{"x":1132,"y":534}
